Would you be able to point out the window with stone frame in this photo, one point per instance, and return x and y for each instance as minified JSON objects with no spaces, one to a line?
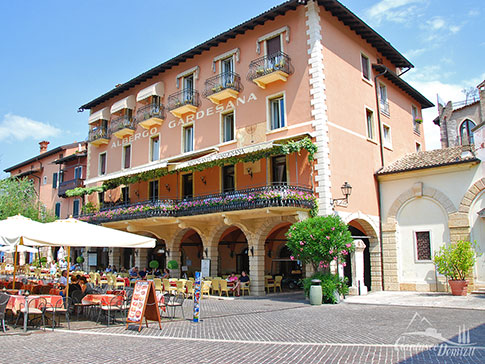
{"x":423,"y":245}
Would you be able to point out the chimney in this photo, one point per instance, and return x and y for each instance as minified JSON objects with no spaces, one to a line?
{"x":43,"y":146}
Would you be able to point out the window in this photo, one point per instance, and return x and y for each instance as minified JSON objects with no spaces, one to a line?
{"x":155,"y":148}
{"x":102,"y":164}
{"x":228,"y":179}
{"x":228,"y":127}
{"x":365,"y":64}
{"x":61,"y":177}
{"x":101,"y":198}
{"x":188,"y":83}
{"x":415,"y":115}
{"x":273,"y":45}
{"x":466,"y":134}
{"x":126,"y":156}
{"x":54,"y":180}
{"x":227,"y":69}
{"x":75,"y":208}
{"x":153,"y":190}
{"x":384,"y":103}
{"x":187,"y":185}
{"x":418,"y":147}
{"x":423,"y":245}
{"x":277,"y":112}
{"x":386,"y":136}
{"x":78,"y":172}
{"x":44,"y":180}
{"x":58,"y":210}
{"x":369,"y":119}
{"x":278,"y":165}
{"x":188,"y":138}
{"x":125,"y":194}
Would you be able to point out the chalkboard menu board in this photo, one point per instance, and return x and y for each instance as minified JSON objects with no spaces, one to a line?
{"x":143,"y":305}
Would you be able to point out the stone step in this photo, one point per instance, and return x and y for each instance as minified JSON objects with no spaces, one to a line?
{"x":479,"y":291}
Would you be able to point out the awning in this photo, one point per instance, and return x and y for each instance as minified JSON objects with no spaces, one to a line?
{"x":102,"y":114}
{"x":126,"y":103}
{"x":224,"y":155}
{"x":156,"y":89}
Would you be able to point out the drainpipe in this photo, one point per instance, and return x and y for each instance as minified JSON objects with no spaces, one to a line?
{"x":379,"y":198}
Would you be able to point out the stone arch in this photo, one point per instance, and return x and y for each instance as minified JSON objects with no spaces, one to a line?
{"x":176,"y":240}
{"x":365,"y":221}
{"x":470,"y":196}
{"x":216,"y":234}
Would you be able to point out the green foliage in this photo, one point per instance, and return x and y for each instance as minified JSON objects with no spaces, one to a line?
{"x":319,"y":240}
{"x":18,"y":196}
{"x":172,"y":264}
{"x":153,"y":264}
{"x":331,"y":283}
{"x":456,"y":260}
{"x":89,"y":208}
{"x":81,"y":191}
{"x":80,"y":260}
{"x":42,"y":262}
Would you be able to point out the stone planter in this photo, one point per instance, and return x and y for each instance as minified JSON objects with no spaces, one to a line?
{"x":458,"y":287}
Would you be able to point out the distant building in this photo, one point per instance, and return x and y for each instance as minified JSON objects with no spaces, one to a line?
{"x":457,"y":120}
{"x":52,"y":173}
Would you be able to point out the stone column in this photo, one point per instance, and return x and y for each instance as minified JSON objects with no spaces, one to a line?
{"x":213,"y":255}
{"x":389,"y":255}
{"x":85,"y":265}
{"x":375,"y":265}
{"x":141,"y":258}
{"x":175,"y":255}
{"x":114,"y":257}
{"x":357,"y":261}
{"x":256,"y":267}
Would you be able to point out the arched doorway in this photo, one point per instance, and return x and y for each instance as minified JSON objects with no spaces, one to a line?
{"x":277,"y":256}
{"x":191,"y":250}
{"x":159,"y":254}
{"x":359,"y":233}
{"x":233,"y":252}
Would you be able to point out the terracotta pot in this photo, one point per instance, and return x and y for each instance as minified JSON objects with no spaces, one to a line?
{"x":458,"y":287}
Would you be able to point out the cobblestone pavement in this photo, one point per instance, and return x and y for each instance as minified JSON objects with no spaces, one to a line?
{"x":278,"y":329}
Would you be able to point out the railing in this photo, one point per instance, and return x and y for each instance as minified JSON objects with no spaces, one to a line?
{"x":268,"y":64}
{"x":98,"y":133}
{"x":384,"y":106}
{"x":416,"y":128}
{"x":221,"y":82}
{"x":150,"y":111}
{"x":184,"y":97}
{"x":69,"y":185}
{"x":252,"y":198}
{"x":470,"y":100}
{"x":123,"y":122}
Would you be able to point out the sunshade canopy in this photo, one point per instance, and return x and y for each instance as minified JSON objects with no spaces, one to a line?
{"x":17,"y":229}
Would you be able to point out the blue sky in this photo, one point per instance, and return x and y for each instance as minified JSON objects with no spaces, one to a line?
{"x":57,"y":55}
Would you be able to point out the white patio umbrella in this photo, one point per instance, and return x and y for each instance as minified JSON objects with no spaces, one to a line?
{"x":17,"y":249}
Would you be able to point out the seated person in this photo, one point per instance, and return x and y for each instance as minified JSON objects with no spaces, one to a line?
{"x":63,"y":279}
{"x":244,"y":279}
{"x":86,"y":287}
{"x":166,"y":274}
{"x":232,"y":278}
{"x":134,"y":273}
{"x":73,"y":286}
{"x":143,"y":273}
{"x":157,"y":273}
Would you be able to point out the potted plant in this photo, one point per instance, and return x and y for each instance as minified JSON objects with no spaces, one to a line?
{"x":173,"y":266}
{"x":154,"y":264}
{"x":455,"y":262}
{"x":418,"y":121}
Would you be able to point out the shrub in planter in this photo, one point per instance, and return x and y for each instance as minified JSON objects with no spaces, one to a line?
{"x":455,"y":262}
{"x":172,"y":264}
{"x":332,"y":286}
{"x":154,"y":264}
{"x":80,"y":260}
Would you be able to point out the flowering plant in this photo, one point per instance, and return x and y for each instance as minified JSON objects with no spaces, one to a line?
{"x":319,"y":241}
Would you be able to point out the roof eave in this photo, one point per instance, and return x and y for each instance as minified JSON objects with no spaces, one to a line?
{"x":473,"y":161}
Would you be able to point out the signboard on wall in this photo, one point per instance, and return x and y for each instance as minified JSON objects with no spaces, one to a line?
{"x":205,"y":267}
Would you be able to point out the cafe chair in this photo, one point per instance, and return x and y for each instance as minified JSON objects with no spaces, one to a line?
{"x":181,"y":287}
{"x":167,"y":288}
{"x":205,"y":288}
{"x":189,"y":286}
{"x":245,"y":287}
{"x":4,"y":298}
{"x":60,"y":308}
{"x":158,"y":284}
{"x":116,"y":304}
{"x":36,"y":307}
{"x":216,"y":286}
{"x":267,"y":284}
{"x":223,"y":287}
{"x":174,"y":302}
{"x":277,"y":282}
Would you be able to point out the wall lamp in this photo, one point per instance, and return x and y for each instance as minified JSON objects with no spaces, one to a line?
{"x":250,"y":171}
{"x":206,"y":251}
{"x":252,"y":251}
{"x":203,"y":179}
{"x":167,"y":252}
{"x":167,"y":186}
{"x":343,"y":202}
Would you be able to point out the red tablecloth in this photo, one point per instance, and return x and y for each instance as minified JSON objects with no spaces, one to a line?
{"x":103,"y":299}
{"x":16,"y":302}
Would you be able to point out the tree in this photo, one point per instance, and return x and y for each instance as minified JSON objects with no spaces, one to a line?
{"x":319,"y":240}
{"x":18,"y":196}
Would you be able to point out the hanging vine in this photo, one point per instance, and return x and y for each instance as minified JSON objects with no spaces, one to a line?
{"x":288,"y":148}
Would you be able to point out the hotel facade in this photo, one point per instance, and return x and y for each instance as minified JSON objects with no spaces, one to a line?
{"x":216,"y":152}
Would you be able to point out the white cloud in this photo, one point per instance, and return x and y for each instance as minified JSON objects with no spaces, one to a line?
{"x":473,"y":12}
{"x":415,"y":52}
{"x":398,"y":11}
{"x":15,"y":127}
{"x":454,"y":28}
{"x":436,"y":23}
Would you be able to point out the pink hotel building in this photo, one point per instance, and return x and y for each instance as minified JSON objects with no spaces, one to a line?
{"x":209,"y":151}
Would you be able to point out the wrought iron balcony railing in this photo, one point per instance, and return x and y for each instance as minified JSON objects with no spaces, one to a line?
{"x":184,"y":97}
{"x":69,"y":185}
{"x":98,"y":133}
{"x":262,"y":66}
{"x":150,"y":111}
{"x":252,"y":198}
{"x":227,"y":80}
{"x":123,"y":122}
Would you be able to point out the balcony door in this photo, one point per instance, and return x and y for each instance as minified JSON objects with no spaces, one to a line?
{"x":273,"y":50}
{"x":278,"y":165}
{"x":187,"y":186}
{"x":188,"y":88}
{"x":227,"y":69}
{"x":228,"y":184}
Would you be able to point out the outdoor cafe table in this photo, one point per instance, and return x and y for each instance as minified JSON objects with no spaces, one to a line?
{"x":16,"y":302}
{"x":102,"y":299}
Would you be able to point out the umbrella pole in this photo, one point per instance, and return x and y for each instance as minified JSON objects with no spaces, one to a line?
{"x":68,"y":270}
{"x":15,"y":263}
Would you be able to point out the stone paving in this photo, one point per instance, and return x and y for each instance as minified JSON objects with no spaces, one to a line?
{"x":275,"y":329}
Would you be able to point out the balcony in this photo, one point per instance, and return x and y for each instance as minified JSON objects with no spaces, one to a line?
{"x":384,"y":106}
{"x":268,"y":69}
{"x":223,"y":86}
{"x":150,"y":115}
{"x":277,"y":196}
{"x":122,"y":127}
{"x":98,"y":136}
{"x":183,"y":102}
{"x":69,"y":185}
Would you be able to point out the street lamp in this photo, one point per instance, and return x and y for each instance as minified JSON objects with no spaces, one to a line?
{"x":346,"y":191}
